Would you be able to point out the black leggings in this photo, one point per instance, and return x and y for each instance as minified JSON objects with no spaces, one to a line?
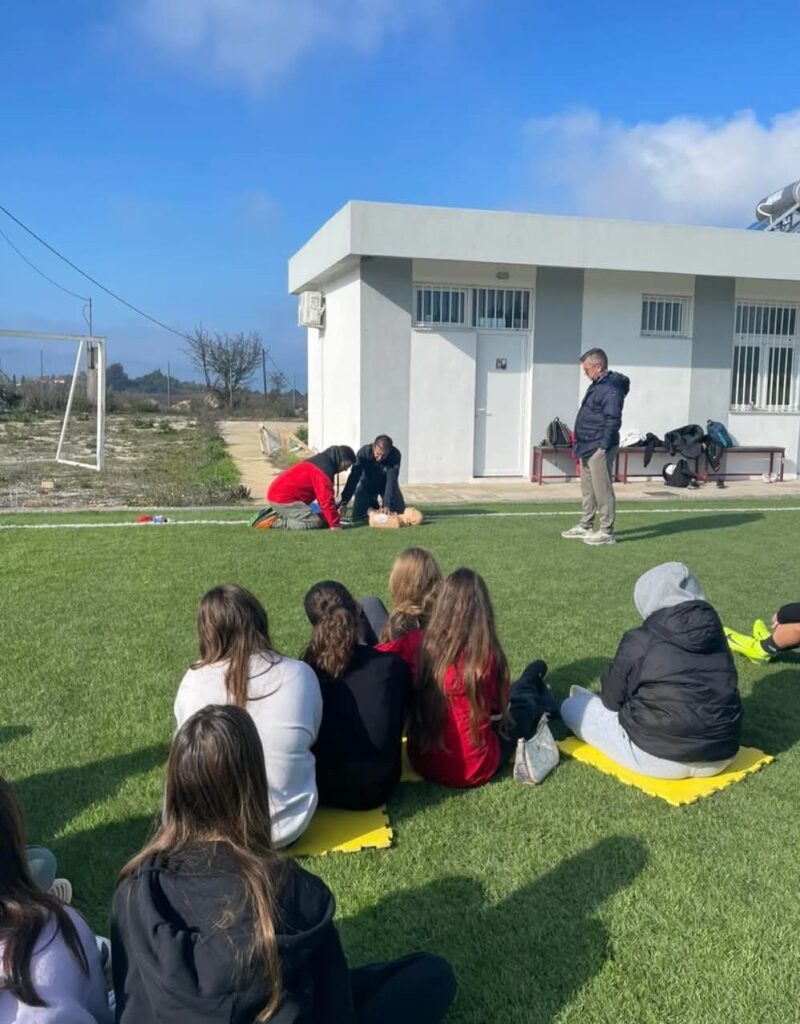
{"x":416,"y":989}
{"x":525,"y":710}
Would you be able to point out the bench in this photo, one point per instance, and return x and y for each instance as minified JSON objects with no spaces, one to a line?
{"x":622,"y":473}
{"x":766,"y":450}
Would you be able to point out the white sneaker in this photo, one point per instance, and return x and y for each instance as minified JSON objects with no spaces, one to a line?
{"x":600,"y":538}
{"x":576,"y":531}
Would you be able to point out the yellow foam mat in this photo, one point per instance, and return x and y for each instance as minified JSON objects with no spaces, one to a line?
{"x":335,"y":831}
{"x":675,"y":792}
{"x":408,"y":774}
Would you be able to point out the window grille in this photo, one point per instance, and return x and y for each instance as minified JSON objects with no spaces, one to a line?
{"x":501,"y":308}
{"x":440,"y":305}
{"x":766,"y":358}
{"x":665,"y":316}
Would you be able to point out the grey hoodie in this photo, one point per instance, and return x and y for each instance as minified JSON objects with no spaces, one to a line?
{"x":664,"y":586}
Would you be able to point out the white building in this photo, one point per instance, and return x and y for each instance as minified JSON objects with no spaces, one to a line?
{"x":458,"y":332}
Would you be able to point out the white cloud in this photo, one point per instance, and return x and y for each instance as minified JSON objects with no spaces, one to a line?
{"x":684,"y":169}
{"x":258,"y":40}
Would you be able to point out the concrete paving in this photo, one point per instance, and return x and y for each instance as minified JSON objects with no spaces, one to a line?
{"x":242,"y":438}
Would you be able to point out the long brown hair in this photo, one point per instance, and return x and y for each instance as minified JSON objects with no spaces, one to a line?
{"x":461,"y":633}
{"x":333,"y":614}
{"x":413,"y":582}
{"x":24,"y":908}
{"x":216,"y":791}
{"x":232,"y":626}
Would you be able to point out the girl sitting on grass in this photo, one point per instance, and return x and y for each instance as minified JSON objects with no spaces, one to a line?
{"x":365,"y":694}
{"x":413,"y":582}
{"x":210,"y":924}
{"x":466,"y":718}
{"x":50,"y":968}
{"x":239,"y":665}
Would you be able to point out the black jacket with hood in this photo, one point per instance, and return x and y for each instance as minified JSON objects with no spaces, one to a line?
{"x":380,"y":477}
{"x":600,"y":414}
{"x":174,"y":964}
{"x":673,"y":680}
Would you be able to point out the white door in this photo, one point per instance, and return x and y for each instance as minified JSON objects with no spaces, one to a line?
{"x":499,"y":403}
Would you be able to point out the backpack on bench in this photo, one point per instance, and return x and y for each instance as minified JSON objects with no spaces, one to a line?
{"x":557,"y":434}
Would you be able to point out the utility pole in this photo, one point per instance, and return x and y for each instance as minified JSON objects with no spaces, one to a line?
{"x":41,"y":364}
{"x":294,"y":393}
{"x":264,"y":372}
{"x":168,"y":391}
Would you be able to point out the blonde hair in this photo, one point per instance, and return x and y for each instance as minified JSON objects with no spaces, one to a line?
{"x":413,"y":583}
{"x":461,"y":633}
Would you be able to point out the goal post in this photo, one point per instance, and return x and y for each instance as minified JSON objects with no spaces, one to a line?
{"x":93,"y":348}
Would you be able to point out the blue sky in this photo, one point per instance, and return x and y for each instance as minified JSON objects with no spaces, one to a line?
{"x":182,"y":150}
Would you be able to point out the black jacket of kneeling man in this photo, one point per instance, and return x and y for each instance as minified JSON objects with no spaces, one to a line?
{"x":380,"y":477}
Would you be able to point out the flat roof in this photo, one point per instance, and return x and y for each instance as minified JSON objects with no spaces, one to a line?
{"x":530,"y":239}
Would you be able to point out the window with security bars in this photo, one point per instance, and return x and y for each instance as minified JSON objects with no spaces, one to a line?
{"x":501,"y":308}
{"x":665,"y":316}
{"x":440,"y":305}
{"x":766,"y":358}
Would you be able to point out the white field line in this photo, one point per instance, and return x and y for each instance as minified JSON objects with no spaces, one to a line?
{"x":430,"y":518}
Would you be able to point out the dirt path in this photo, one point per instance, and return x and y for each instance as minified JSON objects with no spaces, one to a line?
{"x":244,"y":445}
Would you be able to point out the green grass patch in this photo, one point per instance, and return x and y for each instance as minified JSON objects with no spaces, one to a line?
{"x":579,"y":901}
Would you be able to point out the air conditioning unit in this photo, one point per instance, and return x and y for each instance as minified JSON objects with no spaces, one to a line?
{"x":312,"y":309}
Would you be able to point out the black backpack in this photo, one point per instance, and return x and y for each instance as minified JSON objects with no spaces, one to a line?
{"x":679,"y":474}
{"x":557,"y":434}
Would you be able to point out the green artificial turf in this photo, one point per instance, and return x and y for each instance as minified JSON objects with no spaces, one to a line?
{"x":582,"y":900}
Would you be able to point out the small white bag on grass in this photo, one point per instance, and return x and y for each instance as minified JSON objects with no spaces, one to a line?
{"x":537,"y":757}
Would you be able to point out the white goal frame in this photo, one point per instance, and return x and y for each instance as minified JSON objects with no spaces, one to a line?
{"x":86,"y":343}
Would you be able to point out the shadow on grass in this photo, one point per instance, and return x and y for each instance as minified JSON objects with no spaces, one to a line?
{"x":93,"y":859}
{"x":582,"y":672}
{"x":52,"y":799}
{"x":689,"y":523}
{"x":772,"y":712}
{"x":12,"y":732}
{"x":522,"y":959}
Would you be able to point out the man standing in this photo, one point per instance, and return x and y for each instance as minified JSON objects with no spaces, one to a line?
{"x":596,"y":445}
{"x":374,"y":475}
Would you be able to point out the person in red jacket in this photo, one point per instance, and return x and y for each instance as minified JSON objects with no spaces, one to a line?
{"x":466,"y":718}
{"x":291,"y":493}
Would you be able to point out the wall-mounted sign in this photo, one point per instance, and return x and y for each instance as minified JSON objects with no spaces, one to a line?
{"x":501,"y":364}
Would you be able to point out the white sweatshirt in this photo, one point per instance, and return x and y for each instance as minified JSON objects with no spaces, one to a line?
{"x":72,"y":996}
{"x":285,"y":702}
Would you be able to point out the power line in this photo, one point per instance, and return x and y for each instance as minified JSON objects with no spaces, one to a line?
{"x":41,"y":273}
{"x":94,"y":281}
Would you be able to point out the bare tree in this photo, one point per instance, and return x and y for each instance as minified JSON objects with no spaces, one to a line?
{"x":227,"y":361}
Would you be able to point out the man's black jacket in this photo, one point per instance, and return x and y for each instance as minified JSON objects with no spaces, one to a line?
{"x":380,"y":478}
{"x":674,"y":685}
{"x":600,"y":414}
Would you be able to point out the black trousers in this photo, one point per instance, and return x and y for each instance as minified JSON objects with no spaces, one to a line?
{"x":416,"y":989}
{"x":525,"y":710}
{"x":366,"y":497}
{"x":374,"y":615}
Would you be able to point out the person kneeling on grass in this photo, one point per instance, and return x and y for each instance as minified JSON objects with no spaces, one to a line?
{"x":767,"y":642}
{"x":211,"y":926}
{"x":466,"y":719}
{"x":365,"y":696}
{"x":50,"y":966}
{"x":291,"y":494}
{"x":669,"y":704}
